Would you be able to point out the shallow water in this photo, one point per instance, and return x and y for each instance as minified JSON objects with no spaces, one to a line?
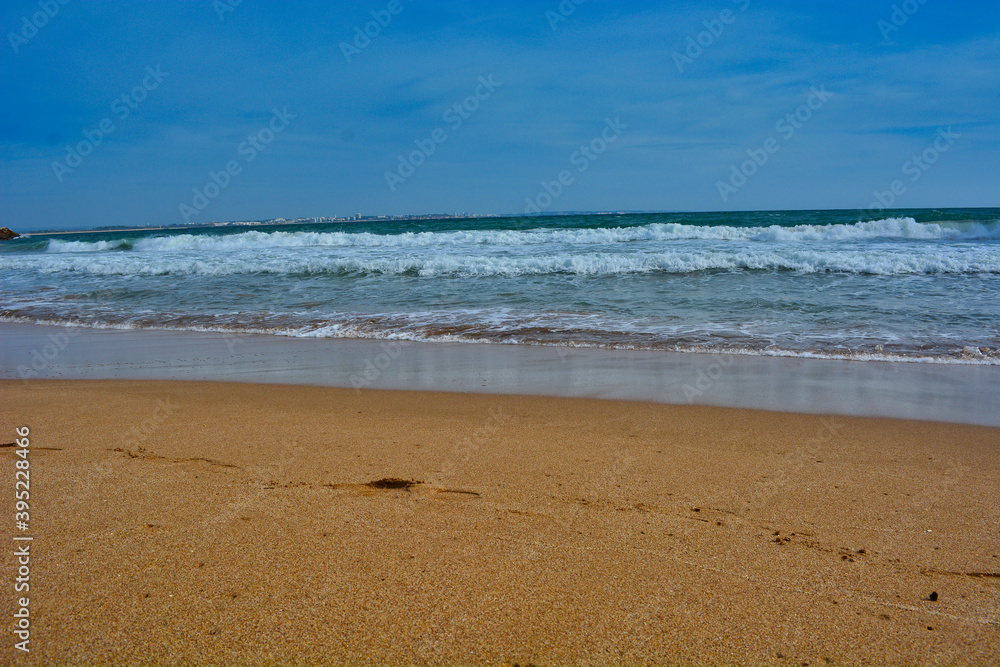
{"x":921,"y":285}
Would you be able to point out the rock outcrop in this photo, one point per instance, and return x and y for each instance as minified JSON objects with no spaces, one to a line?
{"x":7,"y":235}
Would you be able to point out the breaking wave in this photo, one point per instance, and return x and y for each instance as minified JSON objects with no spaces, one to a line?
{"x":889,"y":228}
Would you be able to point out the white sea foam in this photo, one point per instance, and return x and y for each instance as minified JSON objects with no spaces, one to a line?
{"x":889,"y":228}
{"x":767,"y":293}
{"x":58,"y":246}
{"x":872,"y":260}
{"x":963,"y":357}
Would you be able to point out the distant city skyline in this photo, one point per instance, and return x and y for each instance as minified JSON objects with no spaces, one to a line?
{"x":136,"y":113}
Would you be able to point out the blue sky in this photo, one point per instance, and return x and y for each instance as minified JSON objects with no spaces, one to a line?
{"x":683,"y":124}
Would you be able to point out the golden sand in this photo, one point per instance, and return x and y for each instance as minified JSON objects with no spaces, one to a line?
{"x":209,"y":523}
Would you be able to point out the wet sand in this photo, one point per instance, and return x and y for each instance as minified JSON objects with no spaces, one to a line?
{"x":960,"y":393}
{"x":210,"y":523}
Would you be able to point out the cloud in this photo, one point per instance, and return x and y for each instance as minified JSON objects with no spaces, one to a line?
{"x":608,"y":58}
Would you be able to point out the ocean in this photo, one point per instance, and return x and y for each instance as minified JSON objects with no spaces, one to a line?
{"x":908,"y":285}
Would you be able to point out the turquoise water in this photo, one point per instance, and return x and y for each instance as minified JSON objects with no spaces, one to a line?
{"x":919,"y":285}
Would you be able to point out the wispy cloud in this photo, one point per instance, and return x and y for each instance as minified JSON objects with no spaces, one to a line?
{"x":559,"y":86}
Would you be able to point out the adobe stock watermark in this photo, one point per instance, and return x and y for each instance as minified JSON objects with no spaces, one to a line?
{"x":42,"y":359}
{"x":31,"y":25}
{"x":897,"y":19}
{"x":375,"y":367}
{"x":714,"y":28}
{"x":915,"y":168}
{"x":707,"y":377}
{"x":829,"y":428}
{"x":562,"y":13}
{"x":122,"y":108}
{"x":248,"y":149}
{"x":223,"y":7}
{"x":139,"y":434}
{"x":599,"y":489}
{"x":234,"y":338}
{"x":90,"y":480}
{"x":363,"y":35}
{"x":22,"y":541}
{"x":462,"y":452}
{"x":454,"y":117}
{"x":581,"y":159}
{"x":786,"y":127}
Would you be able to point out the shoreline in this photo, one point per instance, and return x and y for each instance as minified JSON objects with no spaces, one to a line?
{"x":933,"y":392}
{"x":232,"y":523}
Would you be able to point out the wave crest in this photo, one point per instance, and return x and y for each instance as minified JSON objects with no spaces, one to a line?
{"x":679,"y":261}
{"x":888,"y":228}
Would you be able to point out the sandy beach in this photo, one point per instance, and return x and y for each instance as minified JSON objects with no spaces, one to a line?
{"x":506,"y":334}
{"x":214,"y":523}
